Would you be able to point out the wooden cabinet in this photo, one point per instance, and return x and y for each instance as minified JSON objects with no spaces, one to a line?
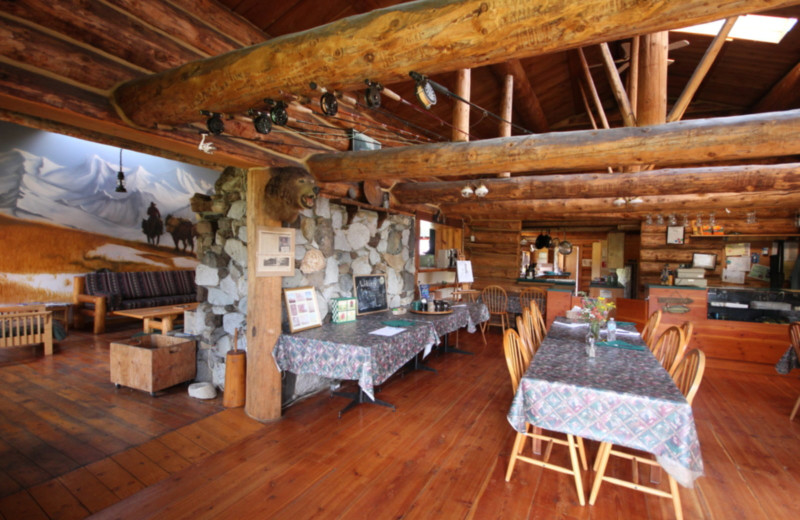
{"x":153,"y":362}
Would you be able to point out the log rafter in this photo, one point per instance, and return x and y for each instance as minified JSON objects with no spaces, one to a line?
{"x":385,"y":44}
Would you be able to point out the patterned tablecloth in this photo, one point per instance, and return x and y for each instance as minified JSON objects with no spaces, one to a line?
{"x":349,"y":351}
{"x":788,"y":362}
{"x":621,"y":396}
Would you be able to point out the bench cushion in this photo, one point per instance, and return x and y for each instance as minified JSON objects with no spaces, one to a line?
{"x":138,"y":289}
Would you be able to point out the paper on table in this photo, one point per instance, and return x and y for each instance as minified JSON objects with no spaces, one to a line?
{"x":387,"y":331}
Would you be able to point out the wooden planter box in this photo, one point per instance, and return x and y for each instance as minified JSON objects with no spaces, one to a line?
{"x":153,"y":362}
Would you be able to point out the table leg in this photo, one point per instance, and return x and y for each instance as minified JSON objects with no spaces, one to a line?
{"x":148,"y":327}
{"x":447,"y":348}
{"x":358,"y":398}
{"x":166,"y":324}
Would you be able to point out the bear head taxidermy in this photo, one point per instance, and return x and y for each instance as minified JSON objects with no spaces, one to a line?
{"x":289,"y":191}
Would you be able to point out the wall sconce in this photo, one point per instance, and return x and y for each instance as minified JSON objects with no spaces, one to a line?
{"x":120,"y":176}
{"x":468,"y":191}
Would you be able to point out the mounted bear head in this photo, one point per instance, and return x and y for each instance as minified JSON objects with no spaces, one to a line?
{"x":289,"y":191}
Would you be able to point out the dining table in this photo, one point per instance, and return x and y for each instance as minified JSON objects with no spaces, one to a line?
{"x":621,"y":395}
{"x":787,"y":362}
{"x":372,"y":348}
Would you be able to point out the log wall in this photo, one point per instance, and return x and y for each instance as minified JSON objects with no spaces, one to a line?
{"x":495,"y":251}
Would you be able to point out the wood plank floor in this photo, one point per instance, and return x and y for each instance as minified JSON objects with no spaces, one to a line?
{"x":71,"y":446}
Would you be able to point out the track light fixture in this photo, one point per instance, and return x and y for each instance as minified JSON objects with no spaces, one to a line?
{"x":120,"y":176}
{"x":479,"y":191}
{"x":214,"y":122}
{"x":424,"y":91}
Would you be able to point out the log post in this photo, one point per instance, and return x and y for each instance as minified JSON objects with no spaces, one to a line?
{"x":652,"y":97}
{"x":263,"y":388}
{"x":506,"y":111}
{"x":461,"y":109}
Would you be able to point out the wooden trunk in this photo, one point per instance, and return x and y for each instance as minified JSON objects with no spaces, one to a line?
{"x":153,"y":362}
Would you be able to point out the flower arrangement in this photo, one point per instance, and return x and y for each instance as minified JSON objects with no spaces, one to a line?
{"x":595,"y":311}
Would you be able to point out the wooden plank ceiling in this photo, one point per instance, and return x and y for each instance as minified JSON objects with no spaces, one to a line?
{"x":61,"y":60}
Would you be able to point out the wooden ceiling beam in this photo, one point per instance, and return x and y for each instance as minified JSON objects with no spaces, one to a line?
{"x":686,"y":142}
{"x":784,"y":94}
{"x":657,"y":204}
{"x":526,"y":102}
{"x":740,"y":179}
{"x":427,"y":36}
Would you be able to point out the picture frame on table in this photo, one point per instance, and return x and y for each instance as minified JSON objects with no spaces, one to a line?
{"x":675,"y":235}
{"x":275,"y":252}
{"x":302,"y":308}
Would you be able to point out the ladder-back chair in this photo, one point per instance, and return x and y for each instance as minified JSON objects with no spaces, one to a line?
{"x":496,"y":300}
{"x":533,"y":294}
{"x":527,"y":341}
{"x":687,"y":376}
{"x":538,"y":327}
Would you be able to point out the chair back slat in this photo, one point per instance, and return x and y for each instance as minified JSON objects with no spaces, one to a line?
{"x":689,"y":373}
{"x":527,"y":341}
{"x":512,"y":345}
{"x":794,"y":336}
{"x":668,"y":348}
{"x":649,"y":330}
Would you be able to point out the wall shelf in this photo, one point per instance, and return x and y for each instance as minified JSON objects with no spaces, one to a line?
{"x":755,"y":235}
{"x":436,"y":269}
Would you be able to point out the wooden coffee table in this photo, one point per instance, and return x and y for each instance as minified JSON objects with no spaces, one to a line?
{"x":161,"y":318}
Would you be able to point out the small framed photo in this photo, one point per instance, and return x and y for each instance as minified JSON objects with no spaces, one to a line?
{"x":704,"y":260}
{"x":302,"y":308}
{"x":275,"y":253}
{"x":675,"y":235}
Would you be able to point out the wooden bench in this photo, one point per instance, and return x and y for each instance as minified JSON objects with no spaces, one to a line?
{"x":26,"y":325}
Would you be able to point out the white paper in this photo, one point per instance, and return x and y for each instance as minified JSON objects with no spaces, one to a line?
{"x":737,"y":249}
{"x":732,"y":276}
{"x":464,"y":271}
{"x":738,"y":263}
{"x":388,"y":331}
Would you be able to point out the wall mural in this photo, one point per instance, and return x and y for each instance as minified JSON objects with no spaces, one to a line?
{"x":60,"y":214}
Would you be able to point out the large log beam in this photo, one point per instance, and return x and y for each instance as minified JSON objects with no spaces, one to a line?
{"x":663,"y":204}
{"x":740,"y":179}
{"x":427,"y":36}
{"x":696,"y":141}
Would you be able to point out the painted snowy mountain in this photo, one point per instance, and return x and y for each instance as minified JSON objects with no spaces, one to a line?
{"x":83,"y":196}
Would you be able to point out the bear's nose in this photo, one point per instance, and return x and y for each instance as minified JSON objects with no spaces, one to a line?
{"x":316,"y":190}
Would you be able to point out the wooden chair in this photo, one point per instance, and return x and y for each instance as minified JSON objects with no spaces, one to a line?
{"x":496,"y":300}
{"x":527,"y":342}
{"x":794,"y":336}
{"x":688,"y":375}
{"x":668,"y":348}
{"x":512,"y":341}
{"x":535,"y":294}
{"x":649,"y":330}
{"x":513,"y":348}
{"x":538,"y":326}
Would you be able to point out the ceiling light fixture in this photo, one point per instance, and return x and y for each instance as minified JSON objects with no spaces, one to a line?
{"x":120,"y":176}
{"x":481,"y":190}
{"x":467,"y":191}
{"x":622,"y":201}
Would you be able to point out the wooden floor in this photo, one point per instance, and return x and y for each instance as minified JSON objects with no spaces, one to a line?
{"x":73,"y":445}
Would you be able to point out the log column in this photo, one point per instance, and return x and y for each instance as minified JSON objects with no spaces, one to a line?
{"x":263,"y":389}
{"x":506,"y":111}
{"x":652,"y":92}
{"x":461,"y":109}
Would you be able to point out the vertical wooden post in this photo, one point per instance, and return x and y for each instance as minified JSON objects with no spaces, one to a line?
{"x":263,"y":389}
{"x":461,"y":109}
{"x":506,"y":105}
{"x":652,"y":96}
{"x":633,"y":75}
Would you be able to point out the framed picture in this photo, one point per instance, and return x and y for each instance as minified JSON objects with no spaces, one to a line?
{"x":275,"y":252}
{"x":302,"y":308}
{"x":370,"y":292}
{"x":704,"y":260}
{"x":675,"y":234}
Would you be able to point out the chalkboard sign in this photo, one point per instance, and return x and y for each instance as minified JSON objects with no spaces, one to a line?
{"x":370,"y":293}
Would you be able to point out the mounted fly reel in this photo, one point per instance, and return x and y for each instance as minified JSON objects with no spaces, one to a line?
{"x":278,"y":112}
{"x":424,"y":91}
{"x":329,"y":104}
{"x":373,"y":94}
{"x":261,"y":121}
{"x":214,"y":122}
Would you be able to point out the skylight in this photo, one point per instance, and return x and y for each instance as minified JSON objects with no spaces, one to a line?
{"x":769,"y":29}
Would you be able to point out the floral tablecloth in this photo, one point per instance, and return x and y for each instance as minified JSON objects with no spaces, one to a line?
{"x":788,"y":362}
{"x":621,"y":396}
{"x":349,"y":351}
{"x":468,"y":314}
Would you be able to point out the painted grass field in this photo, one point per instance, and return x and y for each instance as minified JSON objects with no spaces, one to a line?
{"x":34,"y":248}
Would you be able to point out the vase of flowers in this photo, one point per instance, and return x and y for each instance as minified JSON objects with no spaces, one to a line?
{"x":595,"y":311}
